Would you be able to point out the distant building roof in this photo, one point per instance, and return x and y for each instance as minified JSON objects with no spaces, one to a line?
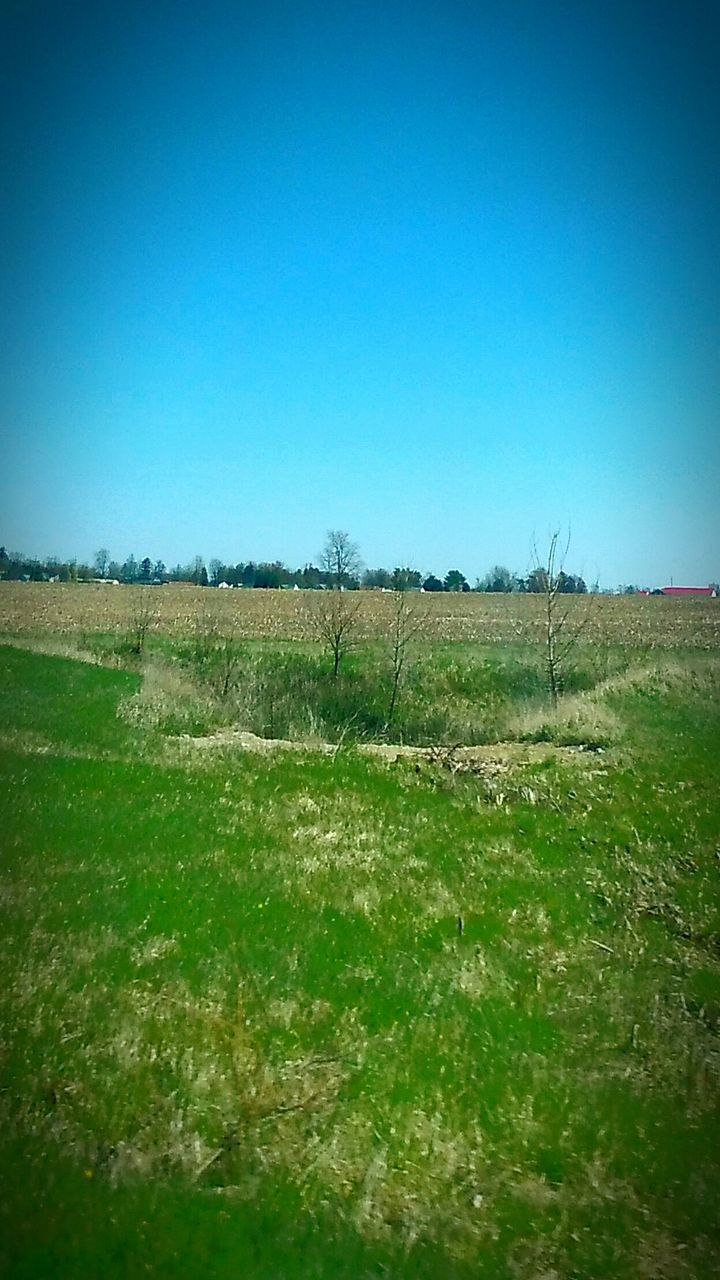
{"x":688,"y":591}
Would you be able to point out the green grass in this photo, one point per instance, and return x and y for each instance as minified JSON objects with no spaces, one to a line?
{"x":62,"y":702}
{"x":244,"y":1034}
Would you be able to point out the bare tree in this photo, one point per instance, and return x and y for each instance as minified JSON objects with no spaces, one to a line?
{"x":334,"y":617}
{"x":216,"y":569}
{"x":217,"y":658}
{"x":561,"y":636}
{"x":102,"y":560}
{"x":143,"y":618}
{"x":340,"y":558}
{"x":215,"y":652}
{"x":405,"y":624}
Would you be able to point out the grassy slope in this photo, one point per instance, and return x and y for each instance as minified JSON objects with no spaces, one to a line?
{"x":242,"y":1034}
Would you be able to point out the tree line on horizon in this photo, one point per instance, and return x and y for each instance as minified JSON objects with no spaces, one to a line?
{"x":348,"y":573}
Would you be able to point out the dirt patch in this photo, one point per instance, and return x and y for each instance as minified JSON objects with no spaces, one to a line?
{"x":242,"y":740}
{"x":504,"y":754}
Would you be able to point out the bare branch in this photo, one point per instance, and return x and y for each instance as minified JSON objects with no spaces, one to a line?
{"x":553,"y":578}
{"x":334,"y":617}
{"x":405,"y":624}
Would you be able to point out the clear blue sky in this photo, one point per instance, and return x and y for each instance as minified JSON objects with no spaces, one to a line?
{"x":445,"y":275}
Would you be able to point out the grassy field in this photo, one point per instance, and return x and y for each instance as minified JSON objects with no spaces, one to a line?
{"x":351,"y":1010}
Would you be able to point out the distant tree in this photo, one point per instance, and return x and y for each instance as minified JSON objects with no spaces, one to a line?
{"x":432,"y":583}
{"x":571,"y":583}
{"x":311,"y":577}
{"x":102,"y":560}
{"x":198,"y":572}
{"x":536,"y":581}
{"x":374,"y":578}
{"x":498,"y":579}
{"x":404,"y":579}
{"x":456,"y":581}
{"x":270,"y":575}
{"x":217,"y":572}
{"x":340,"y":559}
{"x":130,"y":569}
{"x":146,"y":570}
{"x":159,"y":571}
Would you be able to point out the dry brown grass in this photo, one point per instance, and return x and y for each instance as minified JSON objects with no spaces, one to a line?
{"x":166,"y":696}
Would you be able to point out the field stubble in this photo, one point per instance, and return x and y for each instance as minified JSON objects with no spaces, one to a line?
{"x":474,"y":618}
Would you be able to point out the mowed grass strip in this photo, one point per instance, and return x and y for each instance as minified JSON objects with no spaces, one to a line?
{"x":60,"y":703}
{"x":303,"y":1015}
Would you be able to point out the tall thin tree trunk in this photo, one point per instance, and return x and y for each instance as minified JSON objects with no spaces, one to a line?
{"x":552,"y":655}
